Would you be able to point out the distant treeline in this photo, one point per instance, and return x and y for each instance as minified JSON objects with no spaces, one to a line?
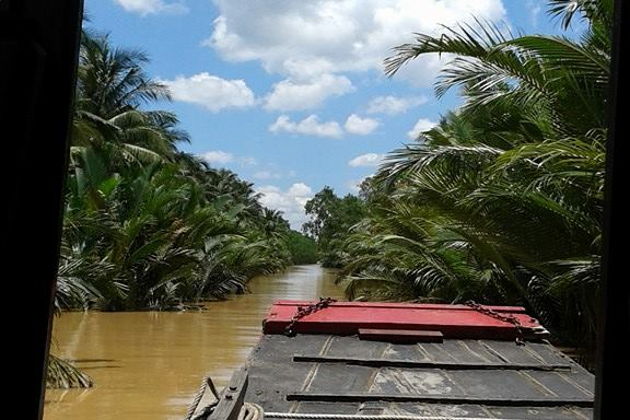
{"x":502,"y":201}
{"x":303,"y":248}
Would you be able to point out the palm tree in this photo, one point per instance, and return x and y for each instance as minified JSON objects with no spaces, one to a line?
{"x":112,"y":81}
{"x":111,"y":87}
{"x":561,"y":78}
{"x":502,"y":201}
{"x":147,"y":226}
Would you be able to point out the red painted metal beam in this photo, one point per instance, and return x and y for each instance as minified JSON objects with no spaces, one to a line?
{"x":346,"y":318}
{"x":510,"y":309}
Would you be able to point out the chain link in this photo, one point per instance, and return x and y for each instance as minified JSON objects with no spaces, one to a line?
{"x":520,"y":333}
{"x":302,"y":311}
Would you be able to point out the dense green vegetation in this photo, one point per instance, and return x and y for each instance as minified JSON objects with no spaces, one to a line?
{"x":330,"y":219}
{"x":303,"y":248}
{"x":500,"y":203}
{"x":147,"y":226}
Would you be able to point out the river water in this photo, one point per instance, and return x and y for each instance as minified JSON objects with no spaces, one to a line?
{"x":148,"y":365}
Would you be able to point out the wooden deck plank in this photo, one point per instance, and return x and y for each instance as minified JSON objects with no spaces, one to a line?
{"x":381,"y":362}
{"x":444,"y":399}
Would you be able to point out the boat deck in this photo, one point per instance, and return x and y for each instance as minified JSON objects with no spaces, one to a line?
{"x":477,"y":378}
{"x":459,"y":361}
{"x":406,"y":361}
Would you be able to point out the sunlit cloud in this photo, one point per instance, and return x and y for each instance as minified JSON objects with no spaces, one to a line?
{"x":148,"y":7}
{"x":368,"y":159}
{"x":211,"y":92}
{"x":361,"y":126}
{"x":423,"y":124}
{"x":310,"y":126}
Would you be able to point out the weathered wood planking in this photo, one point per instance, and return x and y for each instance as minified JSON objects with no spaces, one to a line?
{"x":457,"y":378}
{"x":442,"y":399}
{"x":382,"y":362}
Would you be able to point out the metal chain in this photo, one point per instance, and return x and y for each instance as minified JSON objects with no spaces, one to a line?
{"x":520,"y":334}
{"x":302,"y":311}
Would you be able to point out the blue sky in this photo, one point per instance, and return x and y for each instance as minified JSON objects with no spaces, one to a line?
{"x":291,"y":94}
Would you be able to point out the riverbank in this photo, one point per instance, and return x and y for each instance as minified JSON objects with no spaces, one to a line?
{"x":148,"y":365}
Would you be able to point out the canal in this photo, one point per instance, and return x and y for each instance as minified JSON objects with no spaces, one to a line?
{"x":148,"y":365}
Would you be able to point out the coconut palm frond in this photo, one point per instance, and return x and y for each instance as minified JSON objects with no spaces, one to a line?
{"x":62,"y":374}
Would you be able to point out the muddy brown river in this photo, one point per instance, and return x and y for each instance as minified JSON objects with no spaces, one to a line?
{"x":148,"y":365}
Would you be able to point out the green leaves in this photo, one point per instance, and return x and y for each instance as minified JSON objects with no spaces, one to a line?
{"x":167,"y":242}
{"x":61,"y":374}
{"x":331,"y":217}
{"x":502,"y":201}
{"x":147,"y":226}
{"x":495,"y":68}
{"x":597,"y":12}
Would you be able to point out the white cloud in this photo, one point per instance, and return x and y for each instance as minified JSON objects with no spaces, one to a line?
{"x":291,"y":95}
{"x":362,"y":126}
{"x":368,"y":159}
{"x":211,"y":92}
{"x":308,"y":126}
{"x":421,"y":125}
{"x":301,"y":192}
{"x":309,"y":38}
{"x":217,"y":157}
{"x":291,"y":202}
{"x":312,"y":126}
{"x":392,"y":105}
{"x":147,"y":7}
